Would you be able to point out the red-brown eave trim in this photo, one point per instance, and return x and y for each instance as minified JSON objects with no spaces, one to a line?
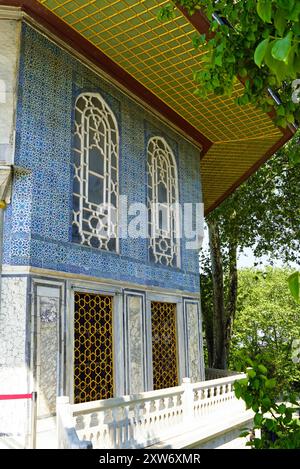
{"x":68,"y":35}
{"x":287,"y":135}
{"x":199,"y":20}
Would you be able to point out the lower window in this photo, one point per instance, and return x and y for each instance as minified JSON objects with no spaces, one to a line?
{"x":93,"y":348}
{"x":164,"y":345}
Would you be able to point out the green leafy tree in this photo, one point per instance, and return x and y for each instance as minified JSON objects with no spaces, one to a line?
{"x":279,"y":426}
{"x":267,"y":323}
{"x":263,"y":214}
{"x":294,"y":284}
{"x":256,"y":41}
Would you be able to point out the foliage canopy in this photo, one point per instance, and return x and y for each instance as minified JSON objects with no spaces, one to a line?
{"x":267,"y":323}
{"x":280,"y":428}
{"x":257,"y":41}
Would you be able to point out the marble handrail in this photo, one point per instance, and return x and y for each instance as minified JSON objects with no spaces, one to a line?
{"x":144,"y":419}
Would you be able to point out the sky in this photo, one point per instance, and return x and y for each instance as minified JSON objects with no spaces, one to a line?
{"x":247,"y":259}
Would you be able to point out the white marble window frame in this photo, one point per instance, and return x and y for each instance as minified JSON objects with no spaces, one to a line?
{"x":144,"y":328}
{"x":120,"y":339}
{"x":106,"y":212}
{"x":118,"y":334}
{"x":180,"y":337}
{"x":51,"y":289}
{"x":158,"y":149}
{"x":186,"y":302}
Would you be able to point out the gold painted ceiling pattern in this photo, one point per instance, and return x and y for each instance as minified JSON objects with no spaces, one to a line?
{"x":162,"y":58}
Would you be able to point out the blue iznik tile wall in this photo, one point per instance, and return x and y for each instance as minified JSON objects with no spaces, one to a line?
{"x":38,"y":221}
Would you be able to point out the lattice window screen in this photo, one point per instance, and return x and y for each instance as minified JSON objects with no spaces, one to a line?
{"x":163,"y":202}
{"x":93,"y":348}
{"x":164,"y":345}
{"x":95,"y":187}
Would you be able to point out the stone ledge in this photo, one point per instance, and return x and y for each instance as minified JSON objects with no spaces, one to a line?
{"x":210,"y":430}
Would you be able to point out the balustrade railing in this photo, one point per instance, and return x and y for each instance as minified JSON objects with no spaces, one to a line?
{"x":215,"y":373}
{"x":129,"y":421}
{"x":141,"y":420}
{"x":67,"y":437}
{"x":216,"y":396}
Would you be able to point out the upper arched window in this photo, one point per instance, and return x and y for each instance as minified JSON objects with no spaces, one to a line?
{"x":163,"y":202}
{"x":95,"y":187}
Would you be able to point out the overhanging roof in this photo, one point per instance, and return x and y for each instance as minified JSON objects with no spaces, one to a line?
{"x":155,"y":61}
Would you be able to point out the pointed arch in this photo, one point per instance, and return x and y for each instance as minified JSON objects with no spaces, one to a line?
{"x":95,"y":185}
{"x":163,"y":203}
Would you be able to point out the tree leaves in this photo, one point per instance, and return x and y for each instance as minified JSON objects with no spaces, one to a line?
{"x":262,"y":369}
{"x":282,"y":408}
{"x":294,"y":156}
{"x":267,"y":321}
{"x":262,"y":399}
{"x":198,"y":40}
{"x":260,"y":51}
{"x":286,"y":4}
{"x":258,"y":419}
{"x":294,"y":286}
{"x":166,"y":13}
{"x":251,"y":373}
{"x":246,"y":29}
{"x":282,"y":47}
{"x":280,"y":22}
{"x":294,"y":13}
{"x":264,"y":10}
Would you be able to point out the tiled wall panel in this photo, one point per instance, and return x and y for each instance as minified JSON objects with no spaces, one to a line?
{"x":38,"y":222}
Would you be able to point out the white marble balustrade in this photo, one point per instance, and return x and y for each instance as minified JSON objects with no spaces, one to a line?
{"x":141,"y":420}
{"x":216,"y":395}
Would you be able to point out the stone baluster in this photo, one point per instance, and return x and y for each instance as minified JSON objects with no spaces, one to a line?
{"x":131,"y":424}
{"x":114,"y":428}
{"x":210,"y":393}
{"x":136,"y":434}
{"x":126,"y":427}
{"x":187,"y":400}
{"x":147,"y":424}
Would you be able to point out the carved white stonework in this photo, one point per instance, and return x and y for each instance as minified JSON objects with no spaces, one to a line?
{"x":136,"y":348}
{"x":163,"y":199}
{"x":194,"y":342}
{"x":156,"y":416}
{"x":48,"y":314}
{"x":95,"y":188}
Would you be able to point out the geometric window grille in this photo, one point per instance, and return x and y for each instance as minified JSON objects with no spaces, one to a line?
{"x":164,"y":345}
{"x":163,"y":202}
{"x":93,"y":348}
{"x":95,"y":186}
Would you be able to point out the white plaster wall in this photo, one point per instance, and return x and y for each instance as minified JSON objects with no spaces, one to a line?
{"x":13,"y":369}
{"x":9,"y":59}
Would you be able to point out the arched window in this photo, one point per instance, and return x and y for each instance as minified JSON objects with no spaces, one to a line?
{"x":95,"y":187}
{"x":163,"y":204}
